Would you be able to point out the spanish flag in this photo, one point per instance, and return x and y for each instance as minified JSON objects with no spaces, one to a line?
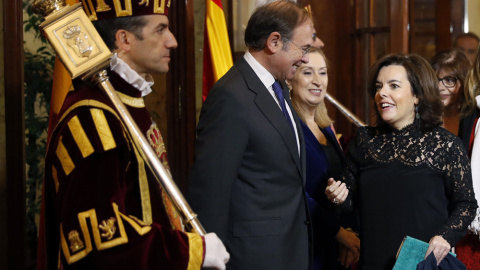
{"x":217,"y":55}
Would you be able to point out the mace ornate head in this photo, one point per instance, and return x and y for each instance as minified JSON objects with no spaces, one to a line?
{"x":46,"y":7}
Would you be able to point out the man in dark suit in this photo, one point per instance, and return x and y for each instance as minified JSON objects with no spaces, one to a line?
{"x":247,"y":182}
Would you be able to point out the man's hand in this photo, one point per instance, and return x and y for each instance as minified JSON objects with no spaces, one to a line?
{"x":216,"y":255}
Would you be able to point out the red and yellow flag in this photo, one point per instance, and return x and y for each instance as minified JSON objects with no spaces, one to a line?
{"x":217,"y":55}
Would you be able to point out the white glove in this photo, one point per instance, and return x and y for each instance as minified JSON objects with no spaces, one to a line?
{"x":216,"y":255}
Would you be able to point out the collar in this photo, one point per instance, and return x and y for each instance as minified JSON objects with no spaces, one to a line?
{"x":131,"y":76}
{"x":262,"y":73}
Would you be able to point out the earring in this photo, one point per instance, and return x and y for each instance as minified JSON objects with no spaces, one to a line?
{"x":417,"y":115}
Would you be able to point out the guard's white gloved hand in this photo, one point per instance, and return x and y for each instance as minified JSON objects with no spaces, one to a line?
{"x":216,"y":255}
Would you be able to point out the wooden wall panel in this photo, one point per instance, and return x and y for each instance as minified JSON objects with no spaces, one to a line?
{"x":180,"y":100}
{"x":398,"y":26}
{"x":333,"y":23}
{"x":15,"y":132}
{"x":443,"y":21}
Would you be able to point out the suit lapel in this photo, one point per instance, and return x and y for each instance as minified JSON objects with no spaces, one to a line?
{"x":272,"y":111}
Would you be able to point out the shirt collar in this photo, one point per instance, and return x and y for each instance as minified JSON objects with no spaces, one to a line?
{"x":131,"y":76}
{"x":262,"y":73}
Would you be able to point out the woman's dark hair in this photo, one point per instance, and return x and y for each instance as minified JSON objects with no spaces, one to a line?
{"x":280,"y":16}
{"x":108,"y":28}
{"x":455,"y":63}
{"x":424,"y":84}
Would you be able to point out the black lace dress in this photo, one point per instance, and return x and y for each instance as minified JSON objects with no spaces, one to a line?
{"x":408,"y":183}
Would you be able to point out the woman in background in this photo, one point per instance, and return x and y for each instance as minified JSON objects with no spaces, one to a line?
{"x":451,"y":67}
{"x":411,"y":176}
{"x":325,"y":159}
{"x":468,"y":248}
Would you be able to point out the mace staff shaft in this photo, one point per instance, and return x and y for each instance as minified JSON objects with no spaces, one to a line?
{"x":352,"y":117}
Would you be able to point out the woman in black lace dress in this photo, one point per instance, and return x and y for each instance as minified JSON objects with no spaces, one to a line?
{"x":412,"y":177}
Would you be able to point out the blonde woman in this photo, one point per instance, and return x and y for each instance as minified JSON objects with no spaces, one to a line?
{"x":325,"y":159}
{"x":468,"y":248}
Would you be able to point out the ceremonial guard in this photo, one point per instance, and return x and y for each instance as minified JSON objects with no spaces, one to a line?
{"x":103,"y":207}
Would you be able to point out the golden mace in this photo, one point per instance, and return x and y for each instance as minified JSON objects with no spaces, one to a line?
{"x":85,"y":55}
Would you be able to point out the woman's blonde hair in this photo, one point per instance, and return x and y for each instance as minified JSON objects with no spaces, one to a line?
{"x":321,"y":114}
{"x":472,"y":88}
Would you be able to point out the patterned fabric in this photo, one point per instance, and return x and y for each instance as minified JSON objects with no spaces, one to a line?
{"x":438,"y":150}
{"x":156,"y":141}
{"x":104,"y":208}
{"x":409,"y":183}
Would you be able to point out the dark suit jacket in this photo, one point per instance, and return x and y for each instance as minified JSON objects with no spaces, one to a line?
{"x":247,"y":182}
{"x":466,"y":126}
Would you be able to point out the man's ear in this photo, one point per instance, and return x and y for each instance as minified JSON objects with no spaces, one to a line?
{"x":274,"y":42}
{"x":123,"y":39}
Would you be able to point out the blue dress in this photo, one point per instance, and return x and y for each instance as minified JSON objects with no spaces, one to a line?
{"x":323,"y":162}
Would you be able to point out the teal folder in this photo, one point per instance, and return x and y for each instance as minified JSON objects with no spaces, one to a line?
{"x":411,"y":252}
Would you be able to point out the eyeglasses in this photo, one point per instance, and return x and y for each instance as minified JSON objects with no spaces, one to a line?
{"x":304,"y":49}
{"x":448,"y":81}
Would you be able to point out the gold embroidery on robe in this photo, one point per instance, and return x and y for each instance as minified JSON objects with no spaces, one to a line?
{"x":139,"y":221}
{"x":131,"y":101}
{"x":94,"y":227}
{"x":156,"y":141}
{"x":195,"y":244}
{"x":144,"y":189}
{"x":103,"y":129}
{"x":66,"y":252}
{"x":64,"y":157}
{"x":137,"y":224}
{"x":80,"y":137}
{"x":108,"y":228}
{"x":75,"y":243}
{"x":142,"y":176}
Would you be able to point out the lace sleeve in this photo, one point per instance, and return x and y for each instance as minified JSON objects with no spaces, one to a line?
{"x":350,"y":174}
{"x":455,"y":165}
